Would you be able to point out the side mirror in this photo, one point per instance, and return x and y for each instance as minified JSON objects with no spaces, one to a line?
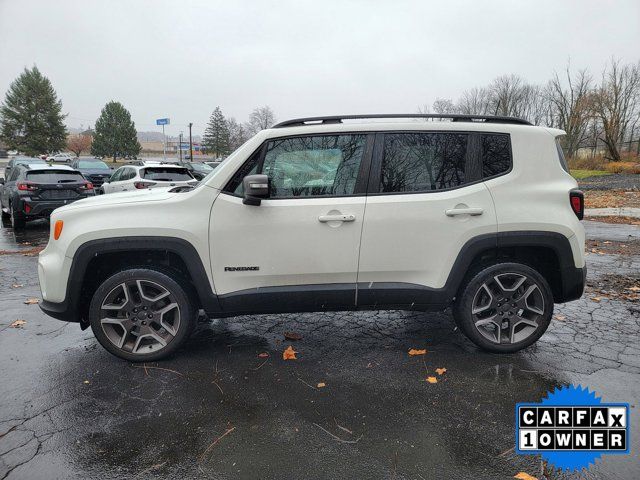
{"x":256,"y":187}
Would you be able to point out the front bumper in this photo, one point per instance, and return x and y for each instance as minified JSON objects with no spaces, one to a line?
{"x":59,"y":311}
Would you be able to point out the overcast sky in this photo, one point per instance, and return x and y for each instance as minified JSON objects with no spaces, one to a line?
{"x":182,"y":58}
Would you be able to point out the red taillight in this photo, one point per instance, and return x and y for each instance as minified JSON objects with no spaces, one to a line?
{"x":143,"y":184}
{"x":27,"y":208}
{"x":26,"y":186}
{"x":87,"y":186}
{"x":576,"y":198}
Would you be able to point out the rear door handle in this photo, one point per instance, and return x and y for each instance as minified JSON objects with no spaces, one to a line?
{"x":336,"y":218}
{"x":473,"y":211}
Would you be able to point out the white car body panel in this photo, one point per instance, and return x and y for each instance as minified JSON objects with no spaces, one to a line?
{"x":286,"y":240}
{"x":408,"y":238}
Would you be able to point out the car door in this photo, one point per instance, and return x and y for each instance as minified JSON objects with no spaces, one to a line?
{"x":426,"y":200}
{"x":9,"y":185}
{"x":298,"y":250}
{"x":112,"y":184}
{"x":126,"y":180}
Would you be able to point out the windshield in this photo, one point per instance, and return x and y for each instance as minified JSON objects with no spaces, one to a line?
{"x":54,"y":176}
{"x":166,"y":174}
{"x":98,"y":164}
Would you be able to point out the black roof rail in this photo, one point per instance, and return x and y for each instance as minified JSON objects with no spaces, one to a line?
{"x":299,"y":122}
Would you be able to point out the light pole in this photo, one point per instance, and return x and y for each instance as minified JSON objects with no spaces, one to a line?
{"x":180,"y":147}
{"x":190,"y":144}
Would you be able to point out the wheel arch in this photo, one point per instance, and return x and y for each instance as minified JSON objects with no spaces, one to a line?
{"x":96,"y":260}
{"x":549,"y":253}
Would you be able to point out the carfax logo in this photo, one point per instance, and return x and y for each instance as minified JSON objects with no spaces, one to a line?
{"x":571,"y":428}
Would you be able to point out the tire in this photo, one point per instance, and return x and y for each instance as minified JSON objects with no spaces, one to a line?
{"x":504,"y":308}
{"x":125,"y":327}
{"x":18,"y":222}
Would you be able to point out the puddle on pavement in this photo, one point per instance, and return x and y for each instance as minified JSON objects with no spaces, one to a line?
{"x":35,"y":234}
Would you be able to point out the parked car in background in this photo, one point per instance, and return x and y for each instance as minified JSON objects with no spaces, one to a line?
{"x":4,"y":154}
{"x":35,"y":190}
{"x":148,"y":175}
{"x":198,"y":170}
{"x":21,"y":161}
{"x":61,"y":158}
{"x":93,"y":169}
{"x":213,"y":163}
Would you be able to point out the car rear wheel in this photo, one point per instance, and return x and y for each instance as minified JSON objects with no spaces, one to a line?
{"x":141,"y":315}
{"x":504,"y":308}
{"x":18,"y":221}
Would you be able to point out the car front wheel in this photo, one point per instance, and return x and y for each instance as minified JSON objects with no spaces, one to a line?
{"x":505,"y":307}
{"x":141,"y":315}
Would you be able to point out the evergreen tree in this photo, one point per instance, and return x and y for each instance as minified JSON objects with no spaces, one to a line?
{"x":115,"y":133}
{"x":31,"y":119}
{"x":216,"y":136}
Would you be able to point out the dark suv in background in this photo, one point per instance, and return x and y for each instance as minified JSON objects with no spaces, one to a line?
{"x":93,"y":169}
{"x":34,"y":191}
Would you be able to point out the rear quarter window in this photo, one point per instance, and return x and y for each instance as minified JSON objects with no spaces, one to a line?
{"x":166,"y":174}
{"x":561,"y":158}
{"x":496,"y":154}
{"x":54,"y":176}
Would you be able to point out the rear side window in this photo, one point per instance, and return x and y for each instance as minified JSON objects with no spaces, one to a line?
{"x":53,"y":176}
{"x":561,"y":157}
{"x":166,"y":174}
{"x":423,"y":162}
{"x":496,"y":154}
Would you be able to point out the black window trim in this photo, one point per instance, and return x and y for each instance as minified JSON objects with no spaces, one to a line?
{"x":362,"y":180}
{"x":375,"y":178}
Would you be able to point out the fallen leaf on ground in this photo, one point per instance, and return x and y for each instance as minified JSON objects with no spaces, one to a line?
{"x":86,"y":381}
{"x":292,"y":336}
{"x":634,"y":289}
{"x":17,"y":285}
{"x":263,"y":355}
{"x":321,"y":385}
{"x":432,"y":380}
{"x":31,"y":301}
{"x":413,"y":352}
{"x":440,"y":371}
{"x":17,"y":323}
{"x":289,"y":354}
{"x":524,"y":476}
{"x":596,"y":299}
{"x":560,"y":317}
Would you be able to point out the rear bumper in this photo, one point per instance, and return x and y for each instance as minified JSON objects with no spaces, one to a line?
{"x":43,"y":208}
{"x":573,"y":283}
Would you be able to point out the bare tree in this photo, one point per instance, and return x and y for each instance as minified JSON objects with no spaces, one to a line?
{"x":444,"y":106}
{"x":475,"y":101}
{"x":79,"y":143}
{"x":237,"y":133}
{"x":260,"y":118}
{"x":570,"y":103}
{"x":617,"y":104}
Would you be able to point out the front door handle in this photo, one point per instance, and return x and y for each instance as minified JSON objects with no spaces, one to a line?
{"x":336,"y":218}
{"x":473,"y":211}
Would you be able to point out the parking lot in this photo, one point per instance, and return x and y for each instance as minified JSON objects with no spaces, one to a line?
{"x":229,"y":405}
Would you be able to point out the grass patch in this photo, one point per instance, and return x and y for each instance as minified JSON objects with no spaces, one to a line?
{"x":580,"y":174}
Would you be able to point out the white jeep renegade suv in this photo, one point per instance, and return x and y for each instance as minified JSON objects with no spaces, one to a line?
{"x":477,"y":213}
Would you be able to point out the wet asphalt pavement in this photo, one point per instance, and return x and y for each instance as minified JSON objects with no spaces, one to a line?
{"x":217,"y":409}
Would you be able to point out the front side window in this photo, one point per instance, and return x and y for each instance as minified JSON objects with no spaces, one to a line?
{"x":322,"y":165}
{"x":423,"y":162}
{"x":314,"y":166}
